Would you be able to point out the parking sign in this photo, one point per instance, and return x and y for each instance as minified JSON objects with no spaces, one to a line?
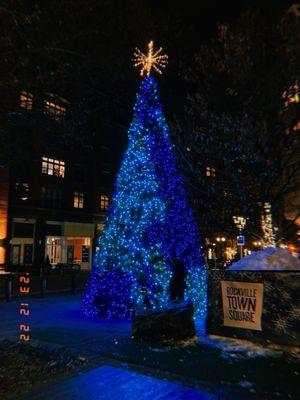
{"x":241,"y":240}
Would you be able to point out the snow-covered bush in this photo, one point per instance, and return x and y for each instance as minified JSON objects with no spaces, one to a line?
{"x":271,"y":258}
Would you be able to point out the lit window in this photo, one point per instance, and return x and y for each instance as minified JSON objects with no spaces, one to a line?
{"x":26,"y":100}
{"x":291,"y":95}
{"x":53,"y":167}
{"x":78,"y":200}
{"x":101,"y":226}
{"x":55,"y":110}
{"x":210,"y":171}
{"x":104,"y":202}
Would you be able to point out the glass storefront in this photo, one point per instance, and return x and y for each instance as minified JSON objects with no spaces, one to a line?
{"x":54,"y":249}
{"x":79,"y":249}
{"x":69,"y":250}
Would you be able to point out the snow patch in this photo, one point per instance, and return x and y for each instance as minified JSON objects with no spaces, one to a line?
{"x":271,"y":258}
{"x":246,"y":384}
{"x":232,"y":348}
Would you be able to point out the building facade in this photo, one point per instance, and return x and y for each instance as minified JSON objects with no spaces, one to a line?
{"x":53,"y":204}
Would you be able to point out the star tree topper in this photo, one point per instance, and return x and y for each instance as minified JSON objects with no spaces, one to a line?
{"x":154,"y":60}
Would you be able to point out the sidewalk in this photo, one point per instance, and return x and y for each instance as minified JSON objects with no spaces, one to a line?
{"x":115,"y":383}
{"x":226,"y":366}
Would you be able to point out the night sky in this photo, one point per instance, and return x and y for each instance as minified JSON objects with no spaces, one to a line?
{"x":103,"y":34}
{"x":188,"y":24}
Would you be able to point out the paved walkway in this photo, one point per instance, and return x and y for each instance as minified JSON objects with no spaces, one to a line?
{"x":111,"y":383}
{"x":246,"y":371}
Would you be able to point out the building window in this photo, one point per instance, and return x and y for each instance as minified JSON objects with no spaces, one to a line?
{"x":78,"y":200}
{"x":291,"y":95}
{"x":22,"y":191}
{"x":51,"y":197}
{"x":26,"y":100}
{"x":210,"y":171}
{"x":54,"y":249}
{"x":55,"y":110}
{"x":78,"y":249}
{"x":104,"y":202}
{"x":100,"y":228}
{"x":53,"y":167}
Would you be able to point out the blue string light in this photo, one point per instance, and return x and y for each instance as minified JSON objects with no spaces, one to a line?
{"x":149,"y":225}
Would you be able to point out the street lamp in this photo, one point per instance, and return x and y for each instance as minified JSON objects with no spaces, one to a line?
{"x":220,"y":241}
{"x":240,"y":222}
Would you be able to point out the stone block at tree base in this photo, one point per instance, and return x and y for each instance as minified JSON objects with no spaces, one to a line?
{"x":171,"y":324}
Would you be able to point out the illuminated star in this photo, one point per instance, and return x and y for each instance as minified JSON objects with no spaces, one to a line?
{"x":156,"y":60}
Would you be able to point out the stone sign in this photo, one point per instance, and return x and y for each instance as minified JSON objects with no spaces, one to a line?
{"x":242,"y":304}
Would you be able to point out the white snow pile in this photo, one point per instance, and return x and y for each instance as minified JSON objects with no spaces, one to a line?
{"x":271,"y":258}
{"x":239,"y":349}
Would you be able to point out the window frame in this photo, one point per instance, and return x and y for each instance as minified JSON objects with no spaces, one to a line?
{"x":54,"y":109}
{"x":78,"y":200}
{"x":104,"y":202}
{"x":26,"y":100}
{"x":53,"y":167}
{"x":210,"y":172}
{"x":22,"y":190}
{"x":51,"y":197}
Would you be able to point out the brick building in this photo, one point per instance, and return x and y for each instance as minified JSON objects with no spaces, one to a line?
{"x":53,"y":203}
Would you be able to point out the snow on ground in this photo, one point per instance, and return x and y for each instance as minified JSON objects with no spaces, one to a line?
{"x":239,"y":348}
{"x":271,"y":258}
{"x":233,"y":348}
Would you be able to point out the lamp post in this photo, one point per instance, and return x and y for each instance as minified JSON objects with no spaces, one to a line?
{"x":214,"y":254}
{"x":220,"y":242}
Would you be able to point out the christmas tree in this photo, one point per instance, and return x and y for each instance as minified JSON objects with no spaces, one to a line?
{"x":149,"y":243}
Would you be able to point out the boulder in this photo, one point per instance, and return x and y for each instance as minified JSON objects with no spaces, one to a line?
{"x":171,"y":324}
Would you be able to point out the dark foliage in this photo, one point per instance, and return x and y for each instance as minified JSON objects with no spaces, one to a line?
{"x":237,"y":121}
